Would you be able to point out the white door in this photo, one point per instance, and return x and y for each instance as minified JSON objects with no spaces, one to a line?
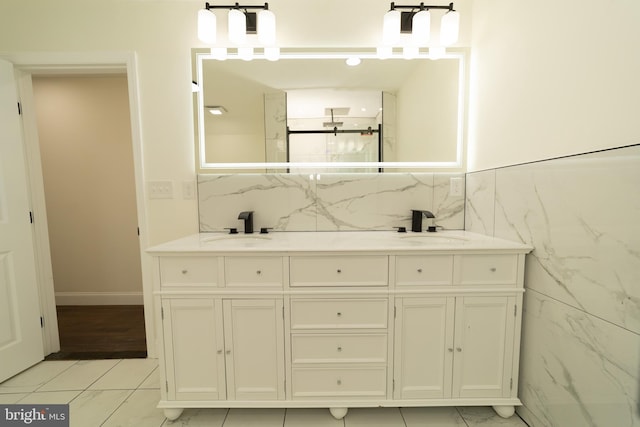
{"x":194,"y":342}
{"x":254,"y":349}
{"x":20,"y":335}
{"x":483,"y":346}
{"x":424,"y":347}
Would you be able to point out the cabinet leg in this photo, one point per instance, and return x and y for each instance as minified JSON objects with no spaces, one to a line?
{"x":338,"y":413}
{"x":173,"y":413}
{"x":504,"y":411}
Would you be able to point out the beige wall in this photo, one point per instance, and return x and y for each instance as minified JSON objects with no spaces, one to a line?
{"x":87,"y":164}
{"x":552,"y":78}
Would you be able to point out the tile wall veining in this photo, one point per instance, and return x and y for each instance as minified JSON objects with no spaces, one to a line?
{"x":580,"y":362}
{"x":332,"y":202}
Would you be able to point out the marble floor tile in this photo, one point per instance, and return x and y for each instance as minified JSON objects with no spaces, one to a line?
{"x":374,"y":417}
{"x":199,"y":418}
{"x":432,"y":417}
{"x":152,"y":380}
{"x":311,"y":417}
{"x":255,"y":417}
{"x":11,"y":398}
{"x":80,"y":376}
{"x":485,"y":416}
{"x":128,"y":373}
{"x":50,"y":397}
{"x":35,"y":377}
{"x":138,"y":410}
{"x":93,"y":407}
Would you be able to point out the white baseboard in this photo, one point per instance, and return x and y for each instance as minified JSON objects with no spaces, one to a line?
{"x":99,"y":298}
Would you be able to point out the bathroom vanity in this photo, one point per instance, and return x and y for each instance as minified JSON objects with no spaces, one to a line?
{"x":339,"y":320}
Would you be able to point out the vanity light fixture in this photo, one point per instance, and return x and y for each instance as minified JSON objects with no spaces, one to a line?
{"x":415,"y":21}
{"x":240,"y":23}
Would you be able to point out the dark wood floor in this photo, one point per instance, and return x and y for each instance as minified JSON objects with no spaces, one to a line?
{"x":100,"y":332}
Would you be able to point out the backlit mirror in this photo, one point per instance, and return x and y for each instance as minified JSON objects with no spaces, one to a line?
{"x":310,"y":111}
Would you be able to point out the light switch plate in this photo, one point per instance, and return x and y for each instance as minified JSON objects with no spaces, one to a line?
{"x":160,"y":189}
{"x":456,"y":186}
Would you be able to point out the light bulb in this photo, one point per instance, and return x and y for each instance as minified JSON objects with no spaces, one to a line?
{"x":206,"y":26}
{"x":245,"y":53}
{"x":384,"y":52}
{"x":352,"y":61}
{"x":410,"y":52}
{"x":272,"y":53}
{"x":421,"y":28}
{"x":391,"y":27}
{"x":266,"y":27}
{"x":219,"y":53}
{"x":237,"y":26}
{"x":449,"y":28}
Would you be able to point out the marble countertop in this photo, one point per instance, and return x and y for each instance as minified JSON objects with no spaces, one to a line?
{"x":339,"y":241}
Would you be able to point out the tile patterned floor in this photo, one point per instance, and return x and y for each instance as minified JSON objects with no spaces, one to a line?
{"x":125,"y":393}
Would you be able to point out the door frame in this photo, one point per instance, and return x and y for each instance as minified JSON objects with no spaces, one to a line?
{"x":51,"y":63}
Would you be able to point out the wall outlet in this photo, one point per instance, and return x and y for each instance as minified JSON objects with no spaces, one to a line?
{"x":456,"y":187}
{"x":188,"y":190}
{"x":160,"y":189}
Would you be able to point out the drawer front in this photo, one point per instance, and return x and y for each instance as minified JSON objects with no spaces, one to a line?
{"x":433,"y":270}
{"x":175,"y":271}
{"x":339,"y":382}
{"x":340,"y":271}
{"x":253,"y":271}
{"x":338,"y":313}
{"x":486,"y":269}
{"x":339,"y":348}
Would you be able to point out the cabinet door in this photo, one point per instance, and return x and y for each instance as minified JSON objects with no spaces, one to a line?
{"x":193,"y":338}
{"x":254,"y":349}
{"x":424,"y":347}
{"x":484,"y":334}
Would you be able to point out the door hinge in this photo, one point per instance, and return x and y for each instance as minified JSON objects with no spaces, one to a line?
{"x":19,"y":109}
{"x":162,"y":313}
{"x":31,"y":217}
{"x":41,"y":322}
{"x":283,"y":312}
{"x":393,"y":384}
{"x":166,"y":386}
{"x":511,"y":384}
{"x":394,"y":311}
{"x":138,"y":228}
{"x":515,"y":310}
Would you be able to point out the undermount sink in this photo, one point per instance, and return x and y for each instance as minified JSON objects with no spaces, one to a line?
{"x":431,"y":238}
{"x":240,"y":238}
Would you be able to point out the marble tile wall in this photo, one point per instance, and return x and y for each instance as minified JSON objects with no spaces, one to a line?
{"x":580,"y":363}
{"x":327,"y":202}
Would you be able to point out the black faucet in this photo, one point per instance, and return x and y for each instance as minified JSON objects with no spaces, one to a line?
{"x":416,"y":220}
{"x":247,"y":216}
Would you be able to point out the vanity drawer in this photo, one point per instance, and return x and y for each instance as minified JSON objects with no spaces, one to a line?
{"x":338,"y":313}
{"x":340,"y":271}
{"x":253,"y":271}
{"x":419,"y":270}
{"x":188,"y":270}
{"x":485,"y":269}
{"x":339,"y":348}
{"x":339,"y":382}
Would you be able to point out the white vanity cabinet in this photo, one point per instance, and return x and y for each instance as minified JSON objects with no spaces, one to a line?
{"x":386,"y":323}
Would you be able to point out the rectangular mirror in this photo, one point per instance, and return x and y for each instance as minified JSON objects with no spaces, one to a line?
{"x":311,"y":112}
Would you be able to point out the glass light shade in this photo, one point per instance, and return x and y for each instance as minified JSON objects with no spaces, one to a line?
{"x":449,"y":28}
{"x":237,"y":26}
{"x":384,"y":52}
{"x":219,"y":53}
{"x":266,"y":27}
{"x":245,"y":53}
{"x":410,"y":52}
{"x":421,"y":28}
{"x":206,"y":26}
{"x":353,"y":61}
{"x":391,"y":27}
{"x":437,"y":52}
{"x":272,"y":53}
